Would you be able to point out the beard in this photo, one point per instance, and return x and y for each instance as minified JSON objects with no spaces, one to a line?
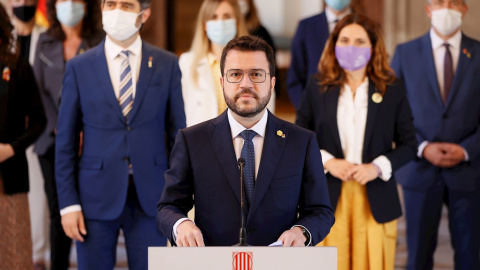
{"x":247,"y":112}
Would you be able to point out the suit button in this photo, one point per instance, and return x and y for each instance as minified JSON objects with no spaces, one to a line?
{"x":129,"y":128}
{"x":444,"y":116}
{"x":126,"y":159}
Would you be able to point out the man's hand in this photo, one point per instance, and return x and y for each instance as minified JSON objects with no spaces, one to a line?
{"x":74,"y":225}
{"x":364,"y":173}
{"x":340,"y":168}
{"x":6,"y":152}
{"x":189,"y":235}
{"x":444,"y":155}
{"x":293,"y":238}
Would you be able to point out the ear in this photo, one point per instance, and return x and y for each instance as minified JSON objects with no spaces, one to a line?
{"x":221,"y":81}
{"x":428,"y":9}
{"x":464,"y":11}
{"x":146,"y":14}
{"x":272,"y":86}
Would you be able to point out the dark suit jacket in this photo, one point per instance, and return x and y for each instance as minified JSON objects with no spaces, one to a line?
{"x":49,"y":67}
{"x":457,"y":121}
{"x":290,"y":187}
{"x":19,"y":100}
{"x":387,"y":122}
{"x":307,"y":48}
{"x":110,"y":144}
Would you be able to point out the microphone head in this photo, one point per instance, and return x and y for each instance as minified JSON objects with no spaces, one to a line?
{"x":241,"y":161}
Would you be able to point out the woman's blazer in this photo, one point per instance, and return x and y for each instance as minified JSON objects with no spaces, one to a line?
{"x":389,"y":131}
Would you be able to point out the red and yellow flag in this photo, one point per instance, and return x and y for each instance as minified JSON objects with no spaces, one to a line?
{"x":41,"y":14}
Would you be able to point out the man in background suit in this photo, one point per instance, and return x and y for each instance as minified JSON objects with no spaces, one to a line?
{"x":125,"y":95}
{"x":285,"y":187}
{"x":441,"y":71}
{"x":308,"y":43}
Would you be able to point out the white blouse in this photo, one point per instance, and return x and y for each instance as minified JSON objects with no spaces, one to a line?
{"x":351,"y":121}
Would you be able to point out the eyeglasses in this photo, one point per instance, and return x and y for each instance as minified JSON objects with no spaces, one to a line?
{"x":255,"y":75}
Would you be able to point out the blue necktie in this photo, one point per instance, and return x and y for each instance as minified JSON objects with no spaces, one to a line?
{"x":126,"y":86}
{"x":248,"y":153}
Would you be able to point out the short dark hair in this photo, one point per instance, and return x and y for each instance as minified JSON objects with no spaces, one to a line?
{"x":249,"y":44}
{"x":144,"y":4}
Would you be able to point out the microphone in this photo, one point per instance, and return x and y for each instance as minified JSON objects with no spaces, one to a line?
{"x":243,"y":230}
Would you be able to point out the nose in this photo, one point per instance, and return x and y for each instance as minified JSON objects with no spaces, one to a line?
{"x":246,"y":82}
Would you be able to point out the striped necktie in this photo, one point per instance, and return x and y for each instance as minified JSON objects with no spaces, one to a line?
{"x":126,"y":85}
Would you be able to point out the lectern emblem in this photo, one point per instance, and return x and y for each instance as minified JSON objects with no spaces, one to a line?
{"x":242,"y":260}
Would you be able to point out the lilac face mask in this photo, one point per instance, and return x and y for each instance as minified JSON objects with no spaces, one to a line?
{"x":352,"y":58}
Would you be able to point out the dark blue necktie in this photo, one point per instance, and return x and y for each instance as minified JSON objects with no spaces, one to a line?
{"x":248,"y":153}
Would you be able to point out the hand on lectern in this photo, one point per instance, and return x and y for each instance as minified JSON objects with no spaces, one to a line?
{"x":293,"y":238}
{"x":189,"y":235}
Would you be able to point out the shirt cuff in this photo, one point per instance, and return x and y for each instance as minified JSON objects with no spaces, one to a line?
{"x":385,"y":166}
{"x":176,"y":225}
{"x":70,"y":209}
{"x":467,"y":158}
{"x":326,"y":156}
{"x":421,"y":147}
{"x":310,"y":235}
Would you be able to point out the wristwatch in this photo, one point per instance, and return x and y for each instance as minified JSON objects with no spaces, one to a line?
{"x":306,"y":234}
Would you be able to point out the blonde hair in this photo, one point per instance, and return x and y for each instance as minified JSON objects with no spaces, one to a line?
{"x":201,"y":44}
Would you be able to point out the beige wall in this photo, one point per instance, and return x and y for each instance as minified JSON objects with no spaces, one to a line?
{"x":405,"y":20}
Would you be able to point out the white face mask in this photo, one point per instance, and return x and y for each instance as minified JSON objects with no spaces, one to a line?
{"x":446,"y":21}
{"x":119,"y":24}
{"x":70,"y":13}
{"x":244,"y":7}
{"x":222,"y":31}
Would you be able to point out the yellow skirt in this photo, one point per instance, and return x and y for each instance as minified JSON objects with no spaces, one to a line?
{"x":362,"y":243}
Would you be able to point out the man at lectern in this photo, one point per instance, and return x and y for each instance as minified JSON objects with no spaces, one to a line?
{"x":286,"y":194}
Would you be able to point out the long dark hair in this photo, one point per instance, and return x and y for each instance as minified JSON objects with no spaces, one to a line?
{"x":329,"y":71}
{"x":7,"y":40}
{"x":92,"y":22}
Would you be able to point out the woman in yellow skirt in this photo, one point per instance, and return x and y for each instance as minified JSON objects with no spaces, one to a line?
{"x":365,"y":131}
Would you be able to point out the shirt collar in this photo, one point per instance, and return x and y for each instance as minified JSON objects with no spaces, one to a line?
{"x":237,"y":128}
{"x":437,"y":42}
{"x":112,"y":49}
{"x":332,"y":17}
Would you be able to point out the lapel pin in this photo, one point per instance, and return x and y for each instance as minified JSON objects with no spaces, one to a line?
{"x":6,"y":74}
{"x":467,"y":53}
{"x":280,"y":134}
{"x":150,"y":62}
{"x":81,"y":51}
{"x":377,"y":97}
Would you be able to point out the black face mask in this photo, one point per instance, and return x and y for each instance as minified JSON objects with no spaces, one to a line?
{"x":24,"y":13}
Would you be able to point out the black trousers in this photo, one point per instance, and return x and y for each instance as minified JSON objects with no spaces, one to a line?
{"x":60,"y":243}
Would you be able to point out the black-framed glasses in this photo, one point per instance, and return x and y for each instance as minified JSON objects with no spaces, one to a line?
{"x":255,"y":75}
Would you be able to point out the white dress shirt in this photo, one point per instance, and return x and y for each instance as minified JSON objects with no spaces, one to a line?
{"x":351,"y":121}
{"x":332,"y":18}
{"x":439,"y":57}
{"x":114,"y":63}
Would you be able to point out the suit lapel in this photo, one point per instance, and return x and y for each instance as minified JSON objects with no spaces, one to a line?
{"x":371,"y":116}
{"x":429,"y":61}
{"x":143,"y":79}
{"x":271,"y":154}
{"x":221,"y":140}
{"x":331,"y":104}
{"x":100,"y":68}
{"x":466,"y":48}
